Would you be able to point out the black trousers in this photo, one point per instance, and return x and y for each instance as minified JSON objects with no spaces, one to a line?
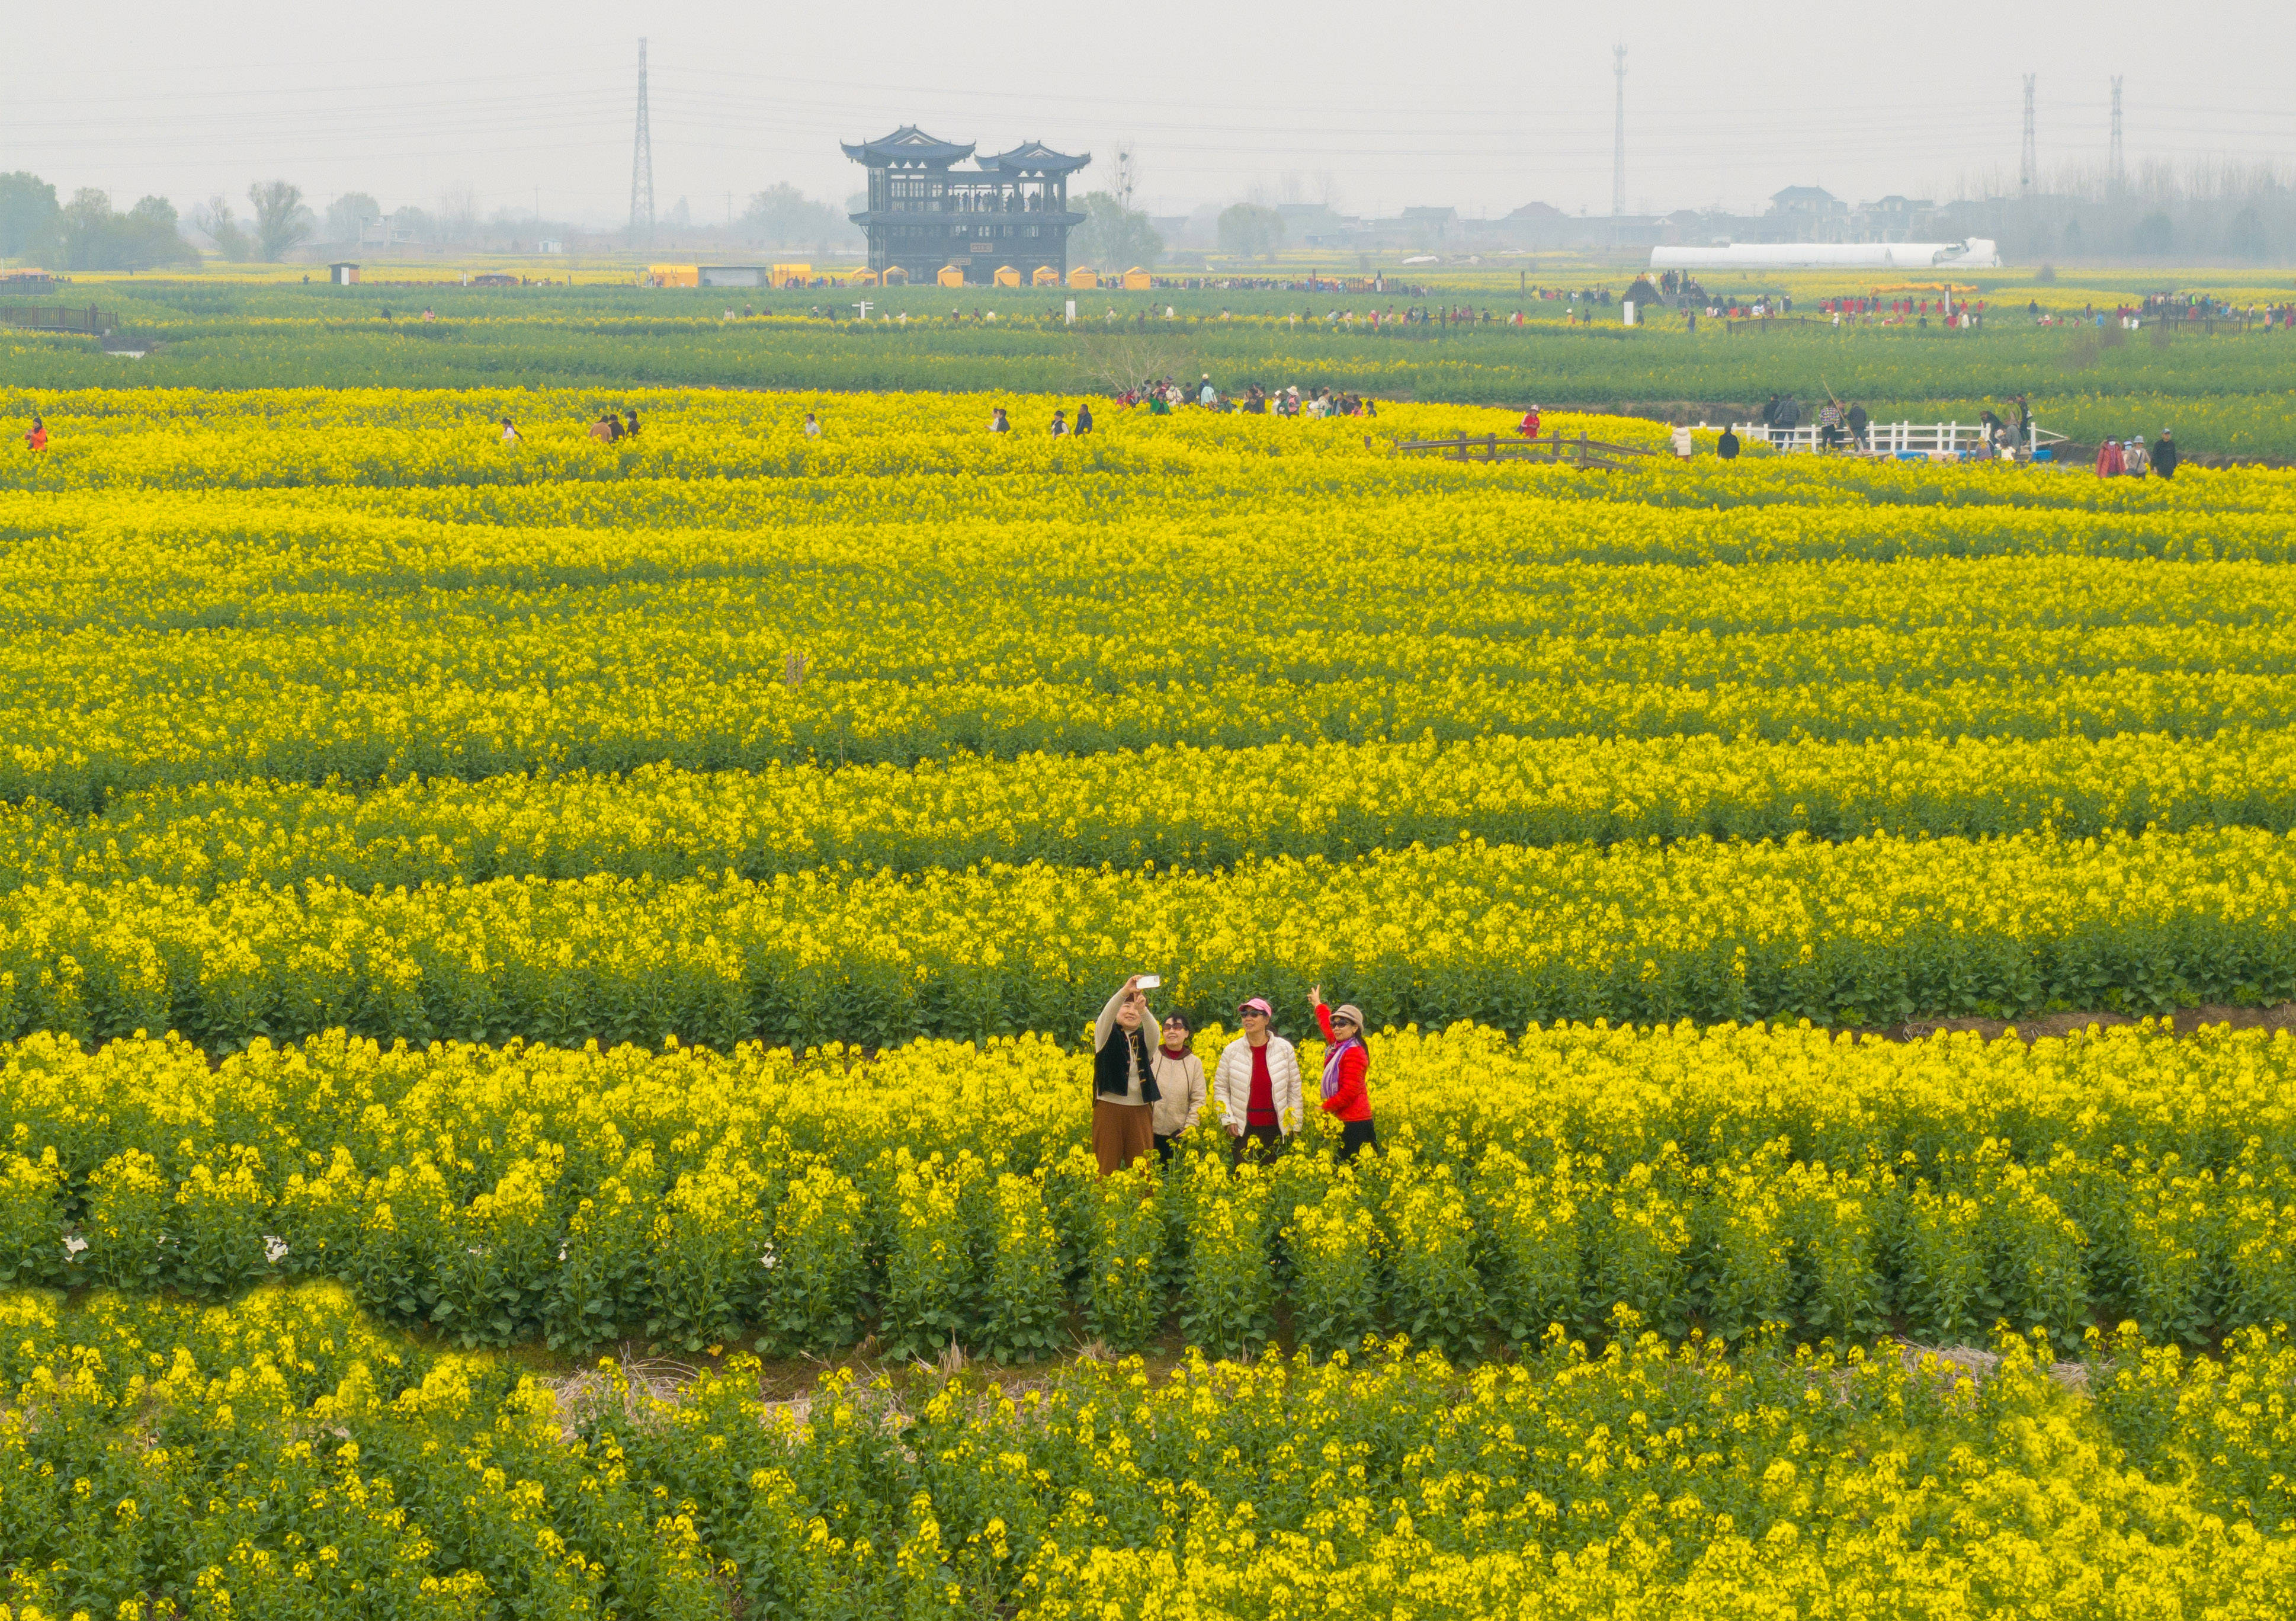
{"x":1164,"y":1147}
{"x":1354,"y":1137}
{"x":1262,"y":1143}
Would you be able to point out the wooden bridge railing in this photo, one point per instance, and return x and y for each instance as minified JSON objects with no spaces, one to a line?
{"x":1583,"y":452}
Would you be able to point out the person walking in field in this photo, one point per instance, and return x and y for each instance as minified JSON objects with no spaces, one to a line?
{"x":1179,"y":1085}
{"x":1680,"y":439}
{"x":2108,"y":460}
{"x":1124,"y":1089}
{"x":2133,"y":461}
{"x":509,"y":433}
{"x":2164,"y":453}
{"x":1060,"y":424}
{"x":1084,"y":417}
{"x":1256,"y":1085}
{"x":1346,"y":1062}
{"x":1530,"y":423}
{"x":1727,"y":446}
{"x":37,"y":439}
{"x":812,"y":425}
{"x":998,"y":422}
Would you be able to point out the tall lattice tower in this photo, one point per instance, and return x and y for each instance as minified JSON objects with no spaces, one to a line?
{"x":2028,"y":166}
{"x":2116,"y":171}
{"x":1127,"y":175}
{"x":1619,"y":138}
{"x":641,"y":163}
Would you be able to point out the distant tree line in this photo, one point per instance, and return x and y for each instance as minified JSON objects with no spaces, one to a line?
{"x":2195,"y":213}
{"x":86,"y":233}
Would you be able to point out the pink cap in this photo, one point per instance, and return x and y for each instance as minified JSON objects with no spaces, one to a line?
{"x":1258,"y":1005}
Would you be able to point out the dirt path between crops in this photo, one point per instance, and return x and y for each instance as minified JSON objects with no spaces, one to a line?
{"x":2040,"y":1026}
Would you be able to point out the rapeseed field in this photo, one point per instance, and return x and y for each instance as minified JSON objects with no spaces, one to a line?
{"x":548,"y":984}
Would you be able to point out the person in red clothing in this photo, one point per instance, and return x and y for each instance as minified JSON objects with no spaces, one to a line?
{"x":1346,"y":1061}
{"x":37,"y":438}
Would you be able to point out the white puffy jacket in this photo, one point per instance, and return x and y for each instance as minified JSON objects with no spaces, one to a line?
{"x":1232,"y":1082}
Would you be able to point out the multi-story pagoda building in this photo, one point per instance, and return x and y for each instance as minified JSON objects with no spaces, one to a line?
{"x":1009,"y":210}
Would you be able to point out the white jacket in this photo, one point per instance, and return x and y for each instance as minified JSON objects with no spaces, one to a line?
{"x":1232,"y":1082}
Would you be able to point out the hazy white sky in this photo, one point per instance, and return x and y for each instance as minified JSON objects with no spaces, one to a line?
{"x":1476,"y":106}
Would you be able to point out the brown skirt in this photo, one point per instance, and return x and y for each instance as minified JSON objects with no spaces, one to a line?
{"x":1121,"y":1132}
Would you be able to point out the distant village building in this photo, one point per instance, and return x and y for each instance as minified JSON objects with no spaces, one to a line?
{"x":1009,"y":212}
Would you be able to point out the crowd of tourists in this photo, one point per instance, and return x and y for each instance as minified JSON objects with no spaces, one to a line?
{"x":2131,"y":458}
{"x":1149,"y":1088}
{"x":1161,"y":396}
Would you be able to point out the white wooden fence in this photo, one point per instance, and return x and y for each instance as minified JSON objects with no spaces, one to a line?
{"x":1935,"y":440}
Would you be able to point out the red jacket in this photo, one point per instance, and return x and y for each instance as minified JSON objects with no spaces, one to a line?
{"x":1350,"y":1099}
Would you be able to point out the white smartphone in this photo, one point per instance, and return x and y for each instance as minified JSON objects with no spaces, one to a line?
{"x":1149,"y":982}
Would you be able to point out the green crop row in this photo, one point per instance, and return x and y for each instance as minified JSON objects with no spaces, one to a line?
{"x":271,"y":1459}
{"x":1178,"y":807}
{"x":1871,"y":931}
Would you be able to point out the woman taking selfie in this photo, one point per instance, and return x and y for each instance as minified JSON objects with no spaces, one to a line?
{"x":1124,"y":1088}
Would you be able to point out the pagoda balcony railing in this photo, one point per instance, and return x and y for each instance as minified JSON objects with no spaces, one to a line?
{"x":960,"y":204}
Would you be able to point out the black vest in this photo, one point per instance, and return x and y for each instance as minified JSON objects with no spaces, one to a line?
{"x":1111,"y":1072}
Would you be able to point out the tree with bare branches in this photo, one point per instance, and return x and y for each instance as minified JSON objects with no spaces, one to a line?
{"x":282,"y":222}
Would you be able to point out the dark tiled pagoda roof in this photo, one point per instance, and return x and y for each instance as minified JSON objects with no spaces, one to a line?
{"x":1034,"y":158}
{"x":908,"y":145}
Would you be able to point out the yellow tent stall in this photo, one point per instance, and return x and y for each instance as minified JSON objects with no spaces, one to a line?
{"x":894,"y":277}
{"x":1135,"y":280}
{"x":675,"y":276}
{"x":951,"y":275}
{"x":1045,"y":276}
{"x":1007,"y":276}
{"x":1082,"y":277}
{"x":863,"y":278}
{"x":792,"y":275}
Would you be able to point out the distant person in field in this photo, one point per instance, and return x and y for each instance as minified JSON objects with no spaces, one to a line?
{"x":2134,"y":460}
{"x":1530,"y":423}
{"x":1727,"y":446}
{"x":37,"y":438}
{"x":2164,"y":453}
{"x":509,"y":433}
{"x":630,"y":426}
{"x":812,"y":425}
{"x":2108,"y":460}
{"x":605,"y":430}
{"x":1060,"y":424}
{"x":1857,"y":422}
{"x":1208,"y":395}
{"x":1346,"y":1062}
{"x":1124,"y":1087}
{"x":1084,"y":417}
{"x":1680,"y":439}
{"x":998,"y":422}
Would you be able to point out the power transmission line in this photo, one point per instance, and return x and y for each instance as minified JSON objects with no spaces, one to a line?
{"x":2115,"y":171}
{"x":2028,"y":166}
{"x":1619,"y":139}
{"x":641,"y":163}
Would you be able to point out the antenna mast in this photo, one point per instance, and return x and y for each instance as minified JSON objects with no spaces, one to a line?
{"x":2028,"y":165}
{"x":1619,"y":139}
{"x":642,"y":164}
{"x":1124,"y":175}
{"x":2116,"y":171}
